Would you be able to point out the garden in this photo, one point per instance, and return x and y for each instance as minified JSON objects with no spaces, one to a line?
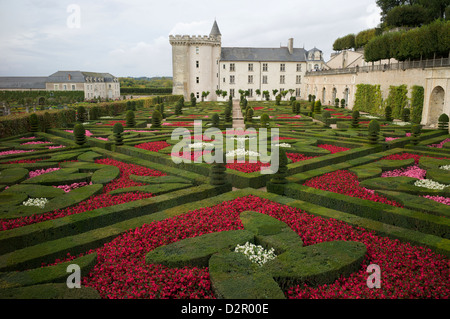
{"x":147,"y":214}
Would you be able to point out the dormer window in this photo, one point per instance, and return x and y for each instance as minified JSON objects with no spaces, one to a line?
{"x":70,"y":77}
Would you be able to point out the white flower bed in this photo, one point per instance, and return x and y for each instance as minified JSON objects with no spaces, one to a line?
{"x":446,"y":167}
{"x":401,"y":123}
{"x":201,"y":145}
{"x":106,"y":117}
{"x":256,"y":254}
{"x":37,"y":202}
{"x":430,"y":184}
{"x":242,"y":152}
{"x":371,"y":117}
{"x":285,"y":145}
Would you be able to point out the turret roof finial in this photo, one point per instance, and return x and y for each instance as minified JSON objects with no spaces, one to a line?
{"x":215,"y":30}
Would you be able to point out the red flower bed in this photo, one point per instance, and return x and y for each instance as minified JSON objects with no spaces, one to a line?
{"x":112,"y":123}
{"x":178,"y":124}
{"x":345,"y":117}
{"x":23,"y":161}
{"x":333,"y":149}
{"x":258,"y":108}
{"x":346,"y":183}
{"x":153,"y":146}
{"x":121,"y":272}
{"x":95,"y":202}
{"x":256,"y":167}
{"x":403,"y":156}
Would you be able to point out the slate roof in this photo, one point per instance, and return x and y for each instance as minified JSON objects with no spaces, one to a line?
{"x":77,"y":77}
{"x":22,"y":82}
{"x":215,"y":30}
{"x":264,"y":54}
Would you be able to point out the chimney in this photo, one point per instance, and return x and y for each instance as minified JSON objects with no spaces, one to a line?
{"x":291,"y":45}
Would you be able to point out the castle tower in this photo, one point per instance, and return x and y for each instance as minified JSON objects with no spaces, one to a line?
{"x":195,"y":61}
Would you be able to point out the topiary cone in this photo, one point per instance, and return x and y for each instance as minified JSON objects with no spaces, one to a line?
{"x":374,"y":129}
{"x":118,"y":137}
{"x":280,"y":176}
{"x":80,"y":134}
{"x":34,"y":123}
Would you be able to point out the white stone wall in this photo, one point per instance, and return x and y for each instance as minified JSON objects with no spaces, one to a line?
{"x":430,"y":79}
{"x":273,"y":75}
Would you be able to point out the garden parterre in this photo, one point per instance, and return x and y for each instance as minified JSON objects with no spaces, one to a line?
{"x":113,"y":204}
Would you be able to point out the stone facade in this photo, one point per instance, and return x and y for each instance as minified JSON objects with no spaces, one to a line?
{"x":94,"y":85}
{"x":342,"y":83}
{"x":201,"y":64}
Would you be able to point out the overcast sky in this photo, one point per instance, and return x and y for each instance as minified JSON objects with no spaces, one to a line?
{"x":131,"y":37}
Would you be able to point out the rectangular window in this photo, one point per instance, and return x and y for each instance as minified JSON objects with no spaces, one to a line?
{"x":198,"y":95}
{"x":264,"y":79}
{"x":265,"y":67}
{"x":231,"y":79}
{"x":299,"y":67}
{"x":224,"y":67}
{"x":282,"y":78}
{"x":250,"y":67}
{"x":250,"y":91}
{"x":197,"y":64}
{"x":73,"y":87}
{"x":282,"y":67}
{"x":232,"y":93}
{"x":56,"y":86}
{"x":224,"y":80}
{"x":197,"y":80}
{"x":232,"y":67}
{"x":250,"y":79}
{"x":297,"y":92}
{"x":197,"y":50}
{"x":298,"y":79}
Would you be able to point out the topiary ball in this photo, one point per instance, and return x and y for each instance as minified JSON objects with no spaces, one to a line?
{"x":443,"y":122}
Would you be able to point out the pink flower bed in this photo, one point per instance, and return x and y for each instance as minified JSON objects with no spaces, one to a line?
{"x":441,"y":144}
{"x":36,"y":143}
{"x":408,"y":272}
{"x":56,"y":147}
{"x":88,"y":133}
{"x":346,"y":183}
{"x":403,"y":156}
{"x":153,"y":146}
{"x":439,"y":199}
{"x":101,"y":138}
{"x":28,"y":138}
{"x":413,"y":171}
{"x":4,"y":153}
{"x":71,"y":187}
{"x":42,"y":171}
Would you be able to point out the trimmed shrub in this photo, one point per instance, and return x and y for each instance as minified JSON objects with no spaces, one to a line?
{"x":228,"y":114}
{"x":278,"y":99}
{"x":156,"y":119}
{"x":318,"y":107}
{"x":417,"y":98}
{"x":218,"y":173}
{"x":406,"y":115}
{"x":80,"y":134}
{"x":416,"y":130}
{"x":250,"y":113}
{"x":355,"y":119}
{"x":443,"y":122}
{"x":336,"y":102}
{"x":343,"y":102}
{"x":326,"y":118}
{"x":81,"y":114}
{"x":215,"y":120}
{"x":130,"y":119}
{"x":280,"y":176}
{"x":388,"y":114}
{"x":34,"y":124}
{"x":265,"y":119}
{"x":118,"y":130}
{"x":374,"y":130}
{"x":179,"y":107}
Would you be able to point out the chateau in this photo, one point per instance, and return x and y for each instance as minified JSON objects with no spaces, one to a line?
{"x":93,"y":85}
{"x":201,"y":64}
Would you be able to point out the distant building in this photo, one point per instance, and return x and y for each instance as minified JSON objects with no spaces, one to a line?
{"x":93,"y":85}
{"x":201,"y":64}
